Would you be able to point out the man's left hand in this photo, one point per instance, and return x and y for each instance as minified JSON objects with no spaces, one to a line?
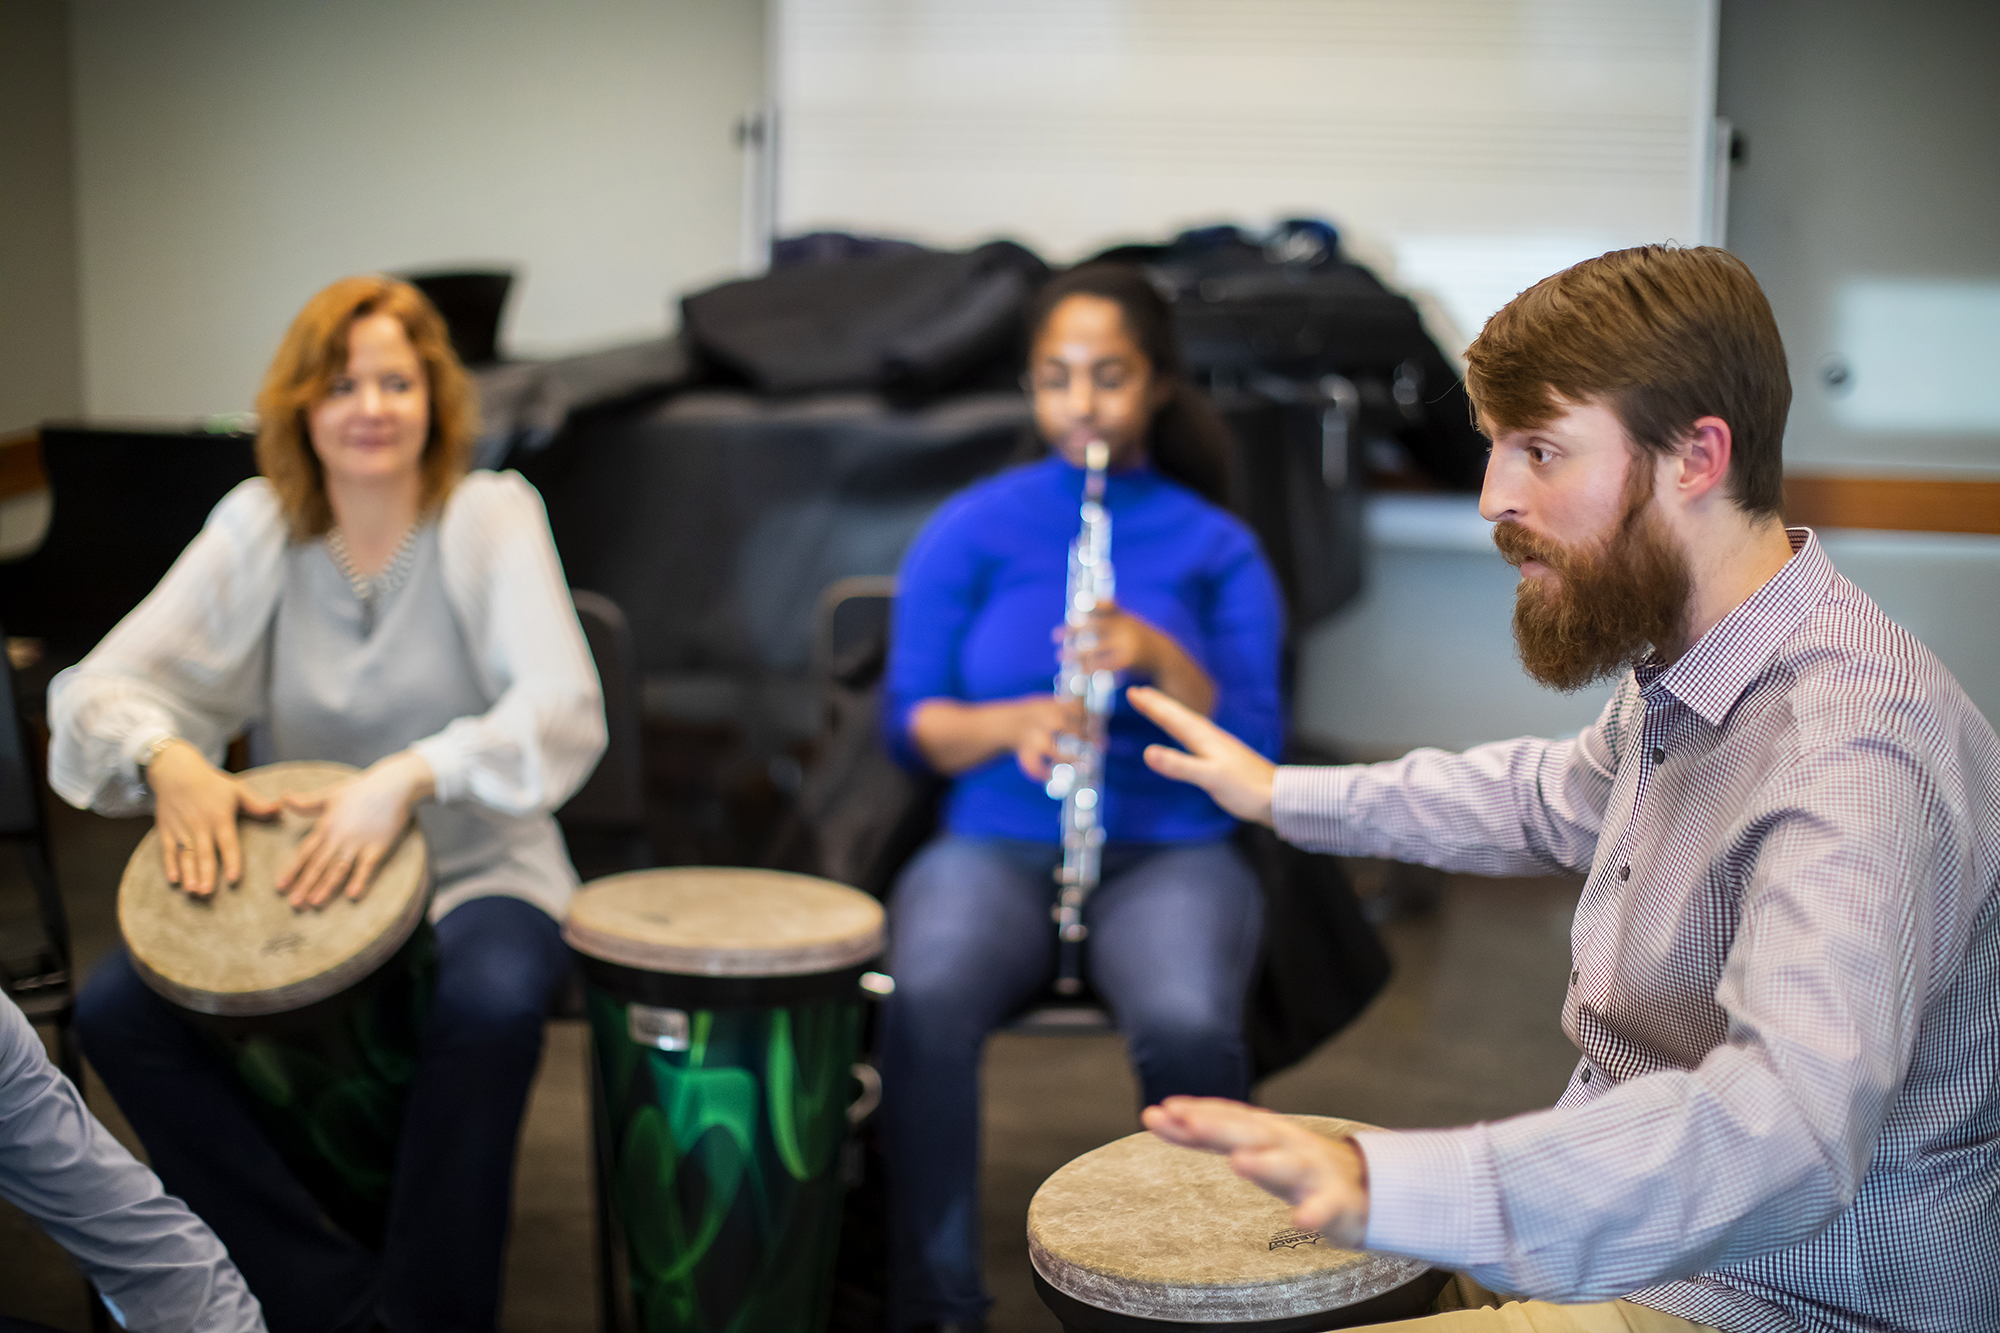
{"x":1325,"y":1180}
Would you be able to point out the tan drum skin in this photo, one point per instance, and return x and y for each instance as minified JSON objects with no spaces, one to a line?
{"x":718,"y":921}
{"x":243,"y":951}
{"x":1146,"y":1229}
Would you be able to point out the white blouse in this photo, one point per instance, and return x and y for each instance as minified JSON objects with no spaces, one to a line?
{"x":194,"y":660}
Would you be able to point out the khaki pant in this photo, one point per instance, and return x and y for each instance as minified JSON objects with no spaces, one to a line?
{"x":1466,"y":1307}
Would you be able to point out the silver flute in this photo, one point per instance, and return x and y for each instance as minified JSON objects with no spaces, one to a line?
{"x":1077,"y":778}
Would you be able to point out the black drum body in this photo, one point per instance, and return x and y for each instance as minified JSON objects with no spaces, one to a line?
{"x":328,"y":1083}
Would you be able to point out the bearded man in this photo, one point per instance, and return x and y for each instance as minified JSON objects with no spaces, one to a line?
{"x":1786,"y":976}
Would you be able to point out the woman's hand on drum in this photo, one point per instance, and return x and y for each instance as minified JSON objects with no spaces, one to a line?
{"x":1236,"y":776}
{"x":359,"y":821}
{"x":1325,"y":1180}
{"x":1128,"y":642}
{"x":195,"y":805}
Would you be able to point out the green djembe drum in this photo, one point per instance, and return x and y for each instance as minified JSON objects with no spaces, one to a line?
{"x":726,"y":1013}
{"x":317,"y":1013}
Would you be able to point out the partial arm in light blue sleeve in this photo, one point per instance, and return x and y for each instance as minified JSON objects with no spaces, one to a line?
{"x":158,"y":1266}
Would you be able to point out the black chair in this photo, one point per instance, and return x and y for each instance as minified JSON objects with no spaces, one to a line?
{"x":124,"y":504}
{"x":604,"y":824}
{"x":471,"y":302}
{"x":39,"y":979}
{"x":853,"y":614}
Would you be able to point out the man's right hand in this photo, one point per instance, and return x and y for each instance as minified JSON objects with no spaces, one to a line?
{"x":195,"y":806}
{"x":1236,"y":776}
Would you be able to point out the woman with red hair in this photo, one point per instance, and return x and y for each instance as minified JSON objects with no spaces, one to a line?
{"x":368,"y":601}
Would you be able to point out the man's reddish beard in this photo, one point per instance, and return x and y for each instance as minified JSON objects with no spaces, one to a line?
{"x":1608,"y":604}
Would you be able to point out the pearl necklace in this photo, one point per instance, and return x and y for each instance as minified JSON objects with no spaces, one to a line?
{"x":373,"y":592}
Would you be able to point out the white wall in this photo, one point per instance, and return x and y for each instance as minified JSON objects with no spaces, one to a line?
{"x":1475,"y":145}
{"x":1866,"y":205}
{"x":233,"y":156}
{"x":38,"y":313}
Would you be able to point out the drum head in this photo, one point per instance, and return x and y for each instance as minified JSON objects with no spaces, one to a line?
{"x":707,"y":921}
{"x":243,"y":951}
{"x":1145,"y":1229}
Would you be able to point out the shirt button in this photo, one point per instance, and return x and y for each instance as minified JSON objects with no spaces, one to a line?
{"x":1586,"y":1073}
{"x":1624,"y":872}
{"x":1574,"y":977}
{"x":1659,"y":755}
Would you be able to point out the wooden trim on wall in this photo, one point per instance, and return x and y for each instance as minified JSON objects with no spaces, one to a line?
{"x":1900,"y":504}
{"x":21,"y":464}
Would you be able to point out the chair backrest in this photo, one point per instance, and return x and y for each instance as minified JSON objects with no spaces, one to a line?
{"x":614,"y":797}
{"x":853,"y":614}
{"x":21,"y":827}
{"x":125,"y":504}
{"x":20,"y":810}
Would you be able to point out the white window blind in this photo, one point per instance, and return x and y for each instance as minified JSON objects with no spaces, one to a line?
{"x":1472,"y":146}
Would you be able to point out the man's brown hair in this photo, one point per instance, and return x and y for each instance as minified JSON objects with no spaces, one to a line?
{"x":1661,"y":335}
{"x":314,"y":354}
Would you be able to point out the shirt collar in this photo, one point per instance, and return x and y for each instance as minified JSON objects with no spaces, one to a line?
{"x":1723,"y":663}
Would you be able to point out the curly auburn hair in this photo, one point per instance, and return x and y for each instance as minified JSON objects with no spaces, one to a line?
{"x":314,"y":354}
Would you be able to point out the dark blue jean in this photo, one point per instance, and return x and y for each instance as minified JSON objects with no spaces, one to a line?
{"x":1174,"y":930}
{"x":500,"y":961}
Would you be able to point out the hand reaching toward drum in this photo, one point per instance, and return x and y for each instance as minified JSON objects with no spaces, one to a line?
{"x":1228,"y":770}
{"x":1325,"y":1180}
{"x":359,"y":821}
{"x":195,"y":805}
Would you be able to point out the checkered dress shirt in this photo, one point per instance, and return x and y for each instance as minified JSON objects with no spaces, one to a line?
{"x":1786,"y":984}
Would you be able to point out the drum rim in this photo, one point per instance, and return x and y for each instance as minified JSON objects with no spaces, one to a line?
{"x":1324,"y":1291}
{"x":310,"y":990}
{"x":802,"y":959}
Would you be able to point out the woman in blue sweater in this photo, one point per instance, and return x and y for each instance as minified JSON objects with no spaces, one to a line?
{"x":1175,"y":921}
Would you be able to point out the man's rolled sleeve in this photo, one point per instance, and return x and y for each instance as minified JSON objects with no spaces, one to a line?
{"x":1433,"y":1195}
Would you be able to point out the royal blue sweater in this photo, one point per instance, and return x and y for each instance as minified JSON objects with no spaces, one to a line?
{"x":982,"y":589}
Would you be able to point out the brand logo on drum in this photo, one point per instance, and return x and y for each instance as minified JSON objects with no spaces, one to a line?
{"x":1291,"y":1239}
{"x":289,"y":941}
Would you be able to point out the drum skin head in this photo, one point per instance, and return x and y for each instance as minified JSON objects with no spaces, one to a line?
{"x":1143,"y":1228}
{"x":242,"y":951}
{"x":715,"y":921}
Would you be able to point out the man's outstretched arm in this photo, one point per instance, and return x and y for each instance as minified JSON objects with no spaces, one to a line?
{"x":1524,"y":807}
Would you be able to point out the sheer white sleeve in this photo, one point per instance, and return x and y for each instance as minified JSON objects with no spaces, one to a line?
{"x":539,"y":741}
{"x":189,"y":661}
